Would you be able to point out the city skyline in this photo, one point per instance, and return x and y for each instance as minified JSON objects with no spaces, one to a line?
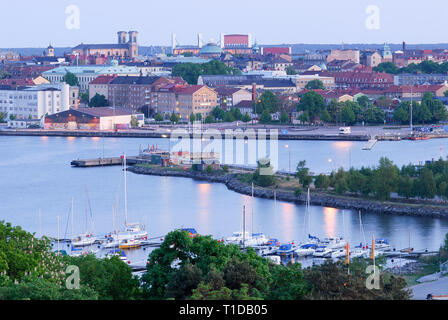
{"x":289,"y":22}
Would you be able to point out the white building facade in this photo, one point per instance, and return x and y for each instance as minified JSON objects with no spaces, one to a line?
{"x":34,"y":102}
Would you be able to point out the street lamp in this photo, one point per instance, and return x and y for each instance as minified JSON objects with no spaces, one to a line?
{"x":289,"y":158}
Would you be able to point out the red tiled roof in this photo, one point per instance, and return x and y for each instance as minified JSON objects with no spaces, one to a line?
{"x":190,"y":89}
{"x":103,"y":79}
{"x":17,"y":82}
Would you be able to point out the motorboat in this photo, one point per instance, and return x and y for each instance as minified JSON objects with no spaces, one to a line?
{"x":111,"y":243}
{"x":130,"y":244}
{"x":334,"y":243}
{"x":117,"y":253}
{"x":268,"y":250}
{"x":382,"y":244}
{"x":306,"y":249}
{"x":285,"y":249}
{"x":322,"y":252}
{"x":358,"y":253}
{"x":84,"y":240}
{"x":339,"y":253}
{"x":248,"y":239}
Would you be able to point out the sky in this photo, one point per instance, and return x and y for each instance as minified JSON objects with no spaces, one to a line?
{"x":38,"y":23}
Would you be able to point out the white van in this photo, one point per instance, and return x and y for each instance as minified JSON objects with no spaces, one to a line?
{"x":345,"y":130}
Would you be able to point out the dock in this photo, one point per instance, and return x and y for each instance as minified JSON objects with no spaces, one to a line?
{"x":370,"y":144}
{"x":103,"y":162}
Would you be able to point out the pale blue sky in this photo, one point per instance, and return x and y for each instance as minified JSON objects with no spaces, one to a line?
{"x":37,"y":23}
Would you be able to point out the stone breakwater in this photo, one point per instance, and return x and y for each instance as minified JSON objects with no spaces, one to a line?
{"x":325,"y":200}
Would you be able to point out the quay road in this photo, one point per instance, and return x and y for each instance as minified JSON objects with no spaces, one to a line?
{"x":362,"y":133}
{"x":438,"y":287}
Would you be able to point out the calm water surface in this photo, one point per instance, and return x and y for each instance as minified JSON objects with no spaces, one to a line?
{"x":35,"y":173}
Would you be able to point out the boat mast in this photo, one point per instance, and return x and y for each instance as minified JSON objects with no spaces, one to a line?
{"x":73,"y":234}
{"x":87,"y":217}
{"x":412,"y":128}
{"x":125,"y":192}
{"x":252,"y":214}
{"x":362,"y":228}
{"x":308,"y":210}
{"x":244,"y":226}
{"x":58,"y":234}
{"x":40,"y":223}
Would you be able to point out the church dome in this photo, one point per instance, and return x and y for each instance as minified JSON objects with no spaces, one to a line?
{"x":210,"y":49}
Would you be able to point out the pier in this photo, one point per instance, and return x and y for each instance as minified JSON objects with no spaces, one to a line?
{"x":370,"y":144}
{"x":103,"y":162}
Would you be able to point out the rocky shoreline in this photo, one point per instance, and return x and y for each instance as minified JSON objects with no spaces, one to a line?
{"x":324,"y":200}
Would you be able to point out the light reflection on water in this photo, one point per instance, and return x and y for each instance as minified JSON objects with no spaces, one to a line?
{"x":36,"y":174}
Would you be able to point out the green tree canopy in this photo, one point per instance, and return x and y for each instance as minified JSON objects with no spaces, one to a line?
{"x":71,"y":79}
{"x":315,"y":84}
{"x":98,"y":100}
{"x":312,"y":103}
{"x":268,"y":101}
{"x":190,"y":72}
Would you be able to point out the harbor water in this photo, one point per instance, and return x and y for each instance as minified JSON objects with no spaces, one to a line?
{"x":36,"y":176}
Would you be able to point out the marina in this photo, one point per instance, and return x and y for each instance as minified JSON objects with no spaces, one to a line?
{"x":208,"y":207}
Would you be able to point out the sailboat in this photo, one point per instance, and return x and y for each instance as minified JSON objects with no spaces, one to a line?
{"x":361,"y":250}
{"x":86,"y":239}
{"x":134,"y":233}
{"x":408,"y":249}
{"x":247,"y":238}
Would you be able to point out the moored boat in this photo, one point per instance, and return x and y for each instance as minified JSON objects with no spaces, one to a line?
{"x":306,"y":249}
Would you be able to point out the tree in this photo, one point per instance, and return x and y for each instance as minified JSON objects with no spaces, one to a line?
{"x":246,"y":118}
{"x":71,"y":79}
{"x":401,"y":113}
{"x":290,"y":71}
{"x":284,"y":117}
{"x":228,"y":117}
{"x":322,"y":182}
{"x":363,"y":101}
{"x":158,"y":117}
{"x":192,"y":118}
{"x":331,"y":281}
{"x":288,"y":283}
{"x":183,"y":281}
{"x":111,"y":278}
{"x":98,"y":101}
{"x":387,"y":67}
{"x":209,"y":169}
{"x":3,"y":116}
{"x":374,"y":115}
{"x":84,"y":97}
{"x":268,"y":101}
{"x":427,"y":188}
{"x":236,"y":112}
{"x":385,"y":179}
{"x":210,"y":119}
{"x":218,"y":113}
{"x":312,"y":103}
{"x":436,"y":107}
{"x":217,"y":263}
{"x":315,"y":84}
{"x":347,"y":115}
{"x":190,"y":72}
{"x":265,"y":117}
{"x":325,"y":116}
{"x":264,"y":175}
{"x":302,"y":173}
{"x":174,"y":118}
